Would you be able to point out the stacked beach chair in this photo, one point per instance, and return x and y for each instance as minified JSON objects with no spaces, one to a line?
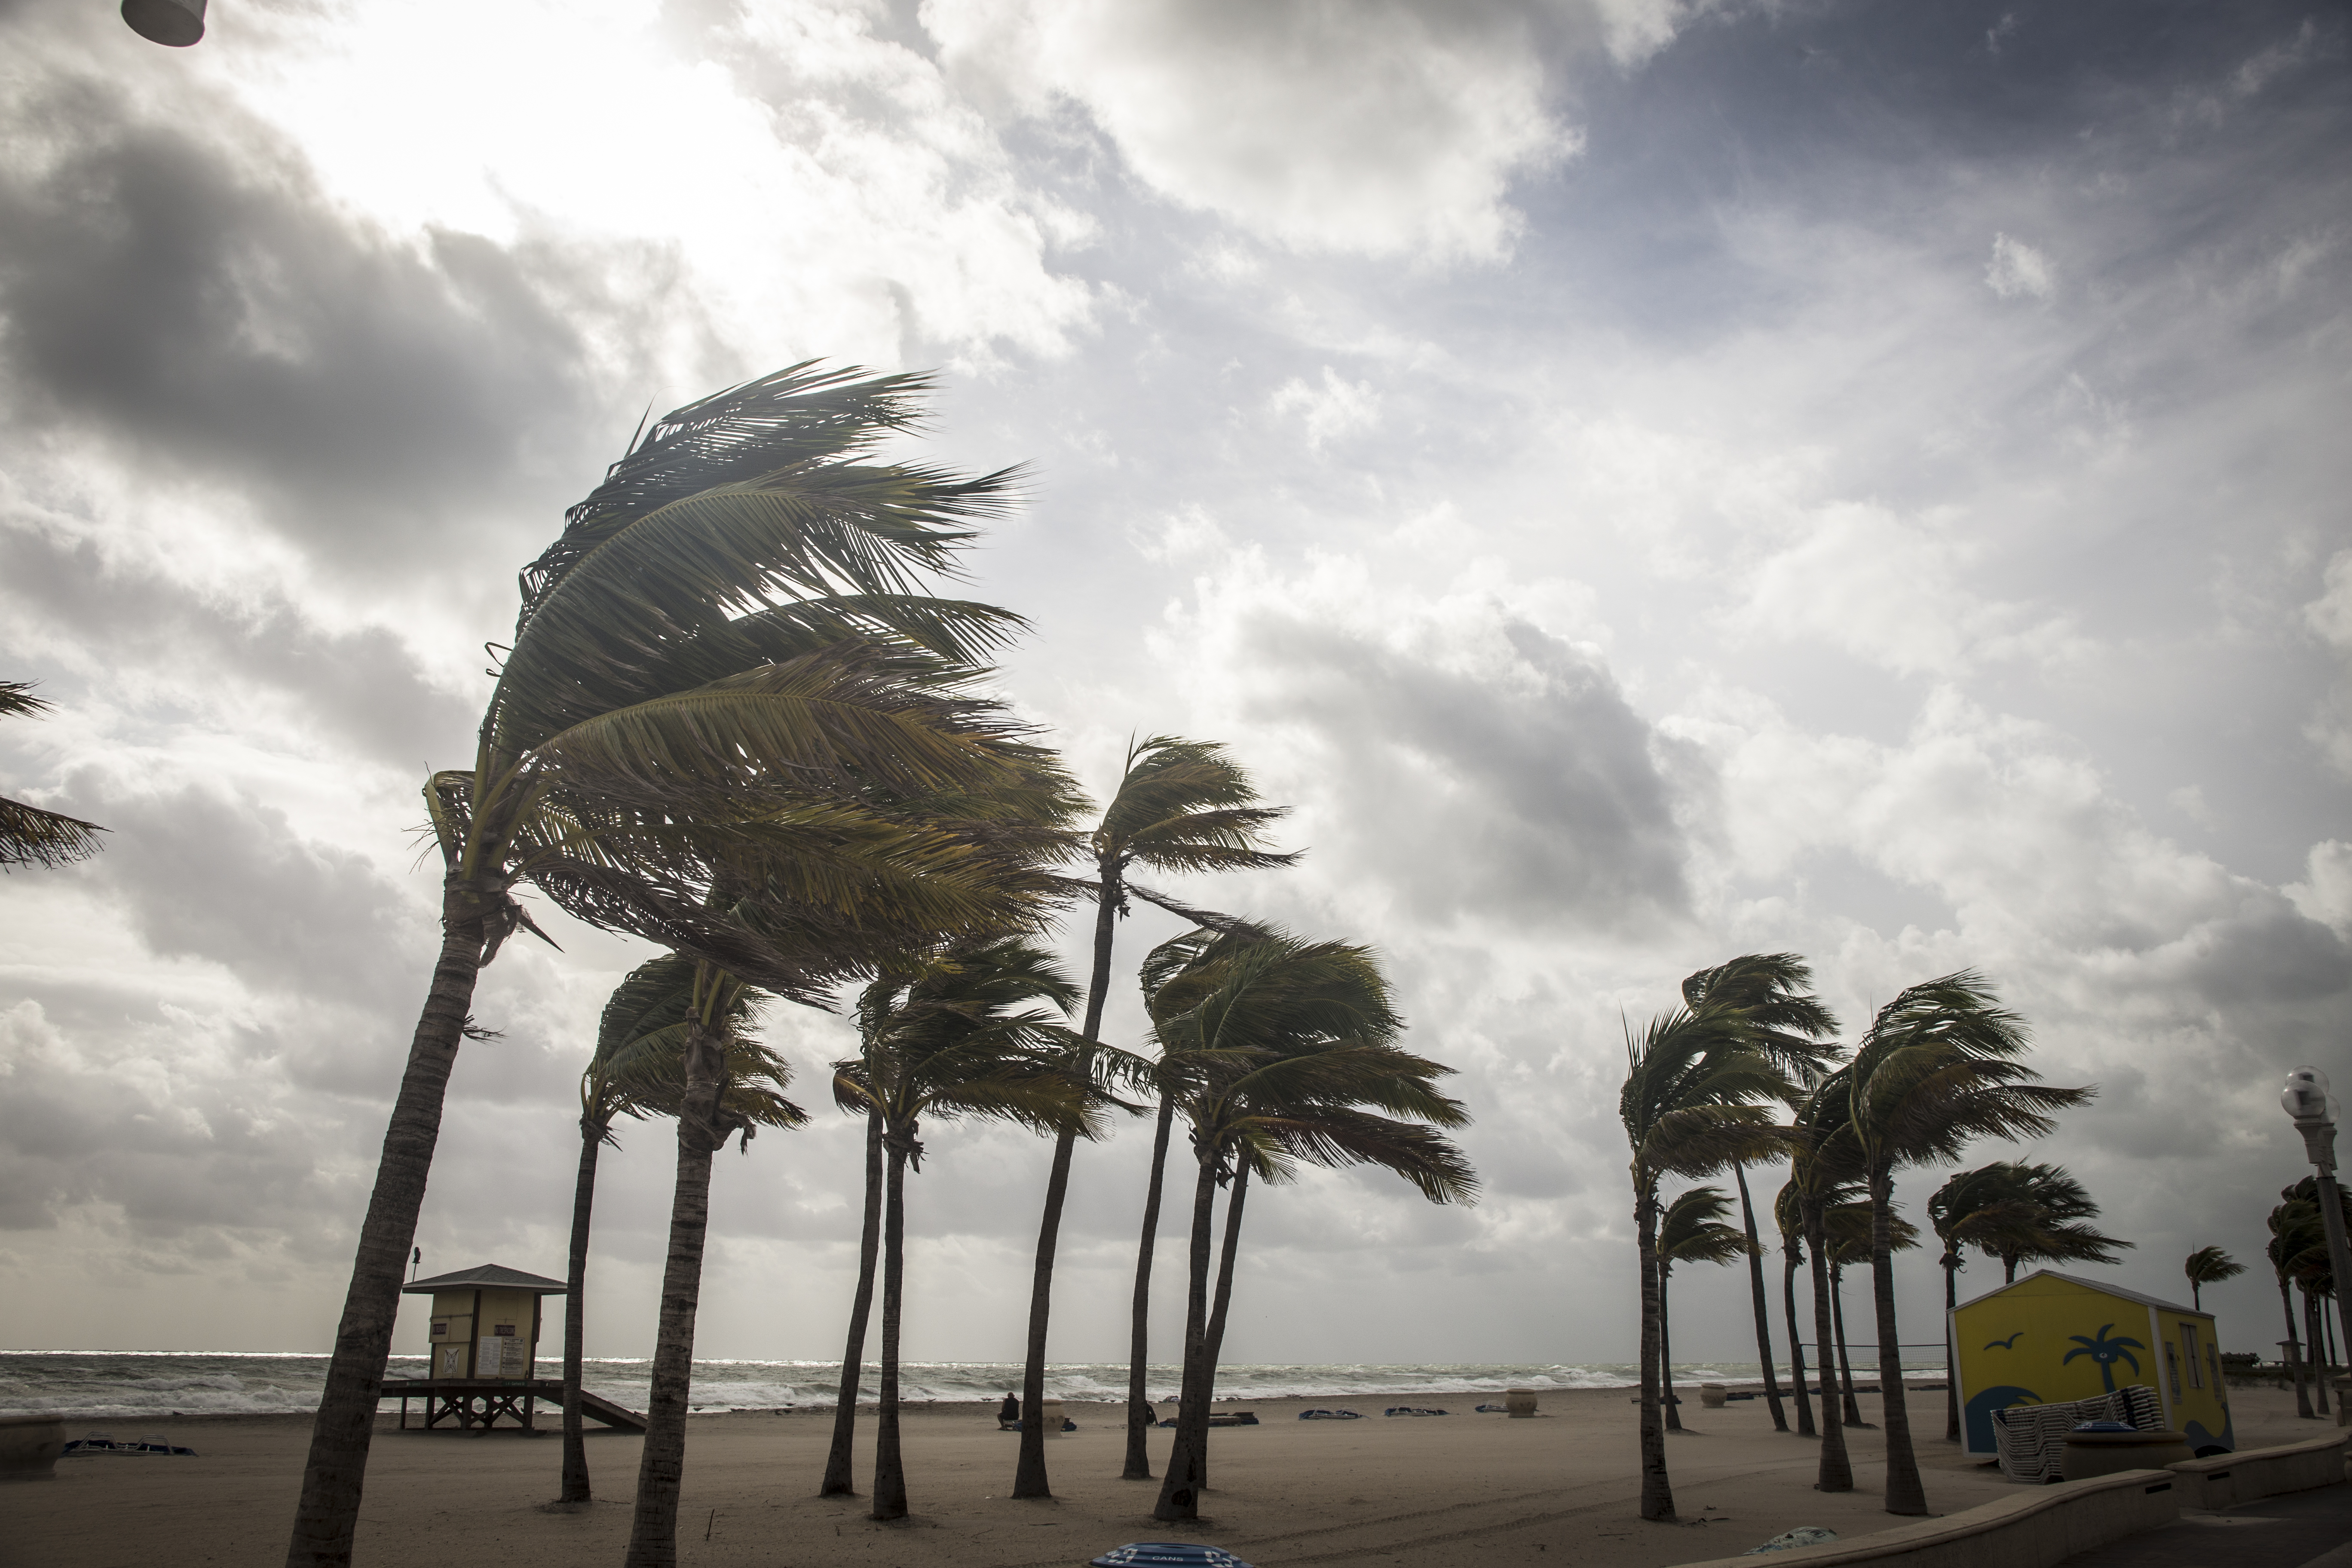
{"x":2031,"y":1438}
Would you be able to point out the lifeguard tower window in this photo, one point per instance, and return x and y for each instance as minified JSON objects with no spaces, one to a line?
{"x":2189,"y":1354}
{"x":2172,"y":1367}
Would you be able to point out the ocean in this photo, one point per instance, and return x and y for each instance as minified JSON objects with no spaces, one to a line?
{"x":127,"y":1384}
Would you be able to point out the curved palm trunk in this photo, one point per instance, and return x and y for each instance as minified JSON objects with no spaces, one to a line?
{"x":1214,"y":1346}
{"x":1657,"y":1491}
{"x":328,"y":1512}
{"x":661,"y":1464}
{"x":1763,"y":1309}
{"x":575,"y":1331}
{"x":1951,"y":1383}
{"x":1139,"y":1455}
{"x":2293,"y":1351}
{"x":1796,"y":1343}
{"x":1029,"y":1478}
{"x":839,"y":1479}
{"x":1666,"y":1349}
{"x":1906,"y":1493}
{"x":1836,"y":1470}
{"x":1846,"y":1360}
{"x":2008,"y":1269}
{"x":890,"y":1471}
{"x":1180,"y":1492}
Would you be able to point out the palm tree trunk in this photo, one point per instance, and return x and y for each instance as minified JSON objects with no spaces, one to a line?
{"x":1951,"y":1261}
{"x":575,"y":1331}
{"x":1666,"y":1350}
{"x":2318,"y":1353}
{"x":1805,"y":1427}
{"x":839,"y":1479}
{"x":1836,"y":1470}
{"x":2293,"y":1351}
{"x":1215,"y":1345}
{"x":889,"y":1471}
{"x":1029,"y":1478}
{"x":328,"y":1512}
{"x":1180,"y":1493}
{"x":1657,"y":1490}
{"x":1763,"y":1307}
{"x":1845,"y":1360}
{"x":2008,"y":1269}
{"x":1139,"y":1455}
{"x":1906,"y":1493}
{"x":661,"y":1464}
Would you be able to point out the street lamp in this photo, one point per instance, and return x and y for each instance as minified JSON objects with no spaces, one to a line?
{"x":176,"y":23}
{"x":2306,"y":1099}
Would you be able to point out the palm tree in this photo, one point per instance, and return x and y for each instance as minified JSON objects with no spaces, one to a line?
{"x":1822,"y":1170}
{"x":1691,"y":1230}
{"x":1788,"y":1215}
{"x":1287,"y":1058}
{"x":2295,"y":1233}
{"x":1938,"y":1067}
{"x":1793,"y":1028}
{"x":955,"y":1032}
{"x":2060,"y":1231}
{"x":1845,"y":1221}
{"x":838,"y":1480}
{"x":2208,"y":1266}
{"x":29,"y":835}
{"x":1980,"y":1208}
{"x":722,"y":629}
{"x":1691,"y":1106}
{"x":1181,"y":805}
{"x":637,"y":1070}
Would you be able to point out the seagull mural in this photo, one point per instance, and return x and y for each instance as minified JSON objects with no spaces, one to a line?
{"x":2011,"y":1343}
{"x":2106,"y":1352}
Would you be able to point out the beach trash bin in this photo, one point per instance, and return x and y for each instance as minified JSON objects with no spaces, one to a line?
{"x":2092,"y":1452}
{"x":1051,"y":1409}
{"x":1710,"y":1396}
{"x":1166,"y":1554}
{"x":1519,"y":1403}
{"x":29,"y":1445}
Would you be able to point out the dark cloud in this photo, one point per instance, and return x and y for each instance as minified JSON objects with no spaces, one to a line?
{"x":210,"y":315}
{"x":1549,"y":795}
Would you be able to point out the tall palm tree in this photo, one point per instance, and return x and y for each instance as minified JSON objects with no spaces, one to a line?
{"x":1938,"y":1067}
{"x":637,"y":1070}
{"x":1690,"y":1230}
{"x":955,"y":1032}
{"x":2060,"y":1231}
{"x":28,"y":834}
{"x":1693,"y":1104}
{"x":1985,"y":1209}
{"x":1793,"y":1028}
{"x":688,"y":664}
{"x":1822,"y":1168}
{"x":1287,"y":1059}
{"x":1788,"y":1215}
{"x":839,"y":1479}
{"x":1845,"y":1221}
{"x":2208,"y":1266}
{"x":1180,"y":806}
{"x":2295,"y":1231}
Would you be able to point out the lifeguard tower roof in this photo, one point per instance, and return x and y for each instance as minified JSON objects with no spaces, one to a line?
{"x":488,"y":1277}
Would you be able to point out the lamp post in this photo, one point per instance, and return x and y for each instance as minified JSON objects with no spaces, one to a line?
{"x":2313,"y":1108}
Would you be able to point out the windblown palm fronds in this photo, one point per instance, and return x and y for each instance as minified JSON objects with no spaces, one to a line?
{"x":30,"y":836}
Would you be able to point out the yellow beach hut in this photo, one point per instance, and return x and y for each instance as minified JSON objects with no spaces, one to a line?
{"x":2052,"y":1338}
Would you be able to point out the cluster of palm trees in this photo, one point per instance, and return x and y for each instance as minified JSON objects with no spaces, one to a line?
{"x":2299,"y":1260}
{"x":1708,"y":1082}
{"x":731,"y":722}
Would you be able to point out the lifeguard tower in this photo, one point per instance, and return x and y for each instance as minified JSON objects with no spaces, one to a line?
{"x":484,"y":1342}
{"x":2050,"y":1338}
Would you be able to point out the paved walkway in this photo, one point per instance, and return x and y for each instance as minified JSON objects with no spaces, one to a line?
{"x":2301,"y":1529}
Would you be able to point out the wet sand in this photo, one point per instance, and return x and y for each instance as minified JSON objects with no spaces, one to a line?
{"x":1433,"y":1492}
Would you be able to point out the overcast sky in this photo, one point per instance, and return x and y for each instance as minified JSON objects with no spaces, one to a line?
{"x":1643,"y":480}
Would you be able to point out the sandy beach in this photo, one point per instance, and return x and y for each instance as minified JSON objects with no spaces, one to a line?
{"x":1434,"y":1491}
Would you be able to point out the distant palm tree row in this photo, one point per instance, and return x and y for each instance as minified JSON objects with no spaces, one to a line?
{"x":2299,"y":1261}
{"x":1938,"y":1066}
{"x":731,"y":721}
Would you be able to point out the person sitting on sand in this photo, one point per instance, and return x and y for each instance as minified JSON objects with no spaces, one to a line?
{"x":1008,"y":1414}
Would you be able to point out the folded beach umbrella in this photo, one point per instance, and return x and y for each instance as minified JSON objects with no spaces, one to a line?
{"x":1170,"y":1553}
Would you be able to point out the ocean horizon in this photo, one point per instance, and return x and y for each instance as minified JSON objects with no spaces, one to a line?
{"x":128,"y":1384}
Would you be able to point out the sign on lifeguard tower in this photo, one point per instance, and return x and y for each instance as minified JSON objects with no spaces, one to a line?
{"x":485,"y":1321}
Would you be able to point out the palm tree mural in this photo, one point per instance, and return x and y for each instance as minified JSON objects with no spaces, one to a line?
{"x":2106,"y":1352}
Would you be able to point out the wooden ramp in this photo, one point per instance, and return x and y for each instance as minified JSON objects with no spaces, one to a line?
{"x":482,"y":1401}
